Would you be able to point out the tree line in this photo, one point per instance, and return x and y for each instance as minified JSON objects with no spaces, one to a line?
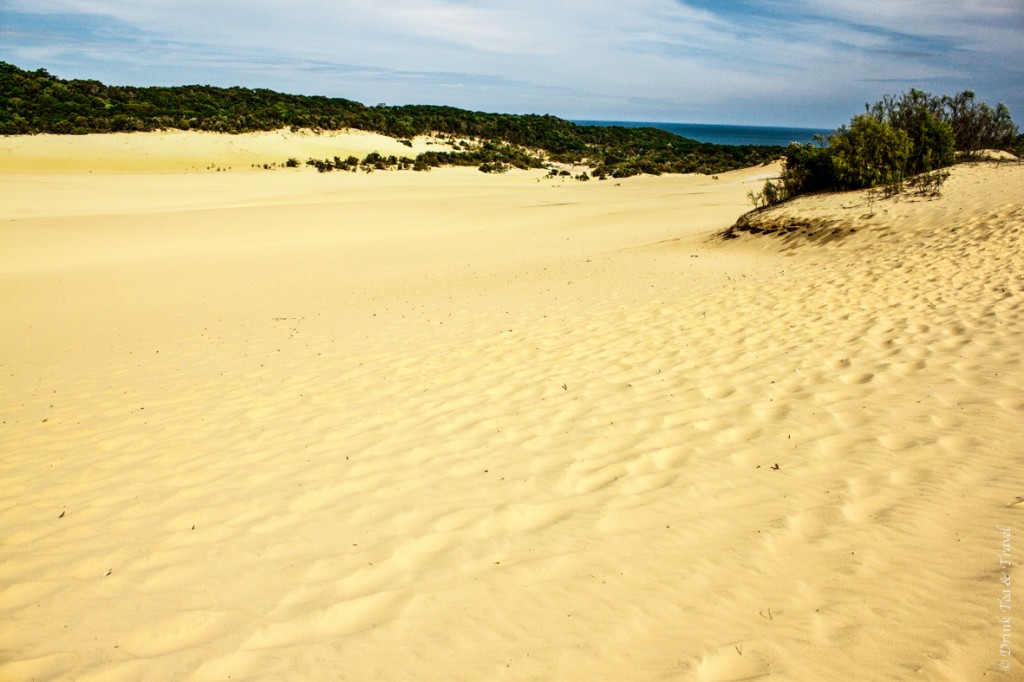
{"x":37,"y":102}
{"x":896,"y":138}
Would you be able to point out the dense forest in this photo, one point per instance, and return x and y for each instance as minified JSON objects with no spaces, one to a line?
{"x":37,"y":102}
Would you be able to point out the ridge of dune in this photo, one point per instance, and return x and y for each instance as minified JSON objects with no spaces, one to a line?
{"x":184,"y":151}
{"x":828,"y":216}
{"x":460,"y":426}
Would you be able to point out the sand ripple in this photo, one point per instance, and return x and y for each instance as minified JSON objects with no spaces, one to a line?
{"x":612,"y":461}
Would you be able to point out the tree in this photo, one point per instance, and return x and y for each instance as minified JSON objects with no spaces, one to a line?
{"x":977,"y":126}
{"x":923,"y":118}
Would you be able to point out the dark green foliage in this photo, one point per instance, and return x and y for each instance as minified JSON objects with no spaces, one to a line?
{"x":373,"y":161}
{"x":978,"y":126}
{"x":869,"y":153}
{"x":490,"y":153}
{"x":497,"y":167}
{"x":806,"y":168}
{"x":899,"y":137}
{"x":924,"y":119}
{"x":772,"y":193}
{"x":37,"y":102}
{"x":932,"y":145}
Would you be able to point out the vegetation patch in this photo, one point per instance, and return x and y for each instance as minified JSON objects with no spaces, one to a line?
{"x":898,"y":148}
{"x":900,"y":137}
{"x":788,"y":228}
{"x":37,"y":102}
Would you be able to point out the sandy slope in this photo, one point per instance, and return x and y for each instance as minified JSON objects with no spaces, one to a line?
{"x":182,"y":151}
{"x":266,"y":425}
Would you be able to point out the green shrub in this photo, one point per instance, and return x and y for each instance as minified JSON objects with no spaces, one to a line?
{"x":933,"y":145}
{"x":899,"y":137}
{"x":869,"y":153}
{"x":978,"y":126}
{"x":923,"y":117}
{"x":769,"y":195}
{"x":495,"y":167}
{"x":807,"y":168}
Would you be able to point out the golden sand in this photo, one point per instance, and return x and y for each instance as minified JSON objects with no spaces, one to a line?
{"x":262,"y":425}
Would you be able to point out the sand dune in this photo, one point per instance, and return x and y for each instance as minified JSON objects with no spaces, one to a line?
{"x":283,"y":425}
{"x":177,"y":151}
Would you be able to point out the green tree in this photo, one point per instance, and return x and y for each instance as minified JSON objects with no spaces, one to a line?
{"x":923,"y":118}
{"x":978,"y":126}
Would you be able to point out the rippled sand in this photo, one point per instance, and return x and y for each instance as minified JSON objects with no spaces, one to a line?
{"x":283,"y":425}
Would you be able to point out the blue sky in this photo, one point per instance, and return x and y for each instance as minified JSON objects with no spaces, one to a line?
{"x":802,"y":63}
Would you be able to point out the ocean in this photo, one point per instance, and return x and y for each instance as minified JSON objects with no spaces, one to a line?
{"x":725,"y":134}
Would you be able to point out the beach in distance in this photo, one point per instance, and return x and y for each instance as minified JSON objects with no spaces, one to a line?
{"x":265,"y":423}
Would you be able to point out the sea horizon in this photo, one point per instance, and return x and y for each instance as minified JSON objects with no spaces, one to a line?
{"x":724,"y":133}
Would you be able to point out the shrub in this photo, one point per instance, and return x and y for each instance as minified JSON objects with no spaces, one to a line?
{"x":924,"y":119}
{"x":978,"y":126}
{"x":869,"y":153}
{"x":897,"y":138}
{"x":496,"y":167}
{"x":807,"y":168}
{"x":772,"y":193}
{"x":933,"y":144}
{"x":769,"y":195}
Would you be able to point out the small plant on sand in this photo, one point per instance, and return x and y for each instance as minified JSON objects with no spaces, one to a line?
{"x":769,"y":195}
{"x":496,"y":167}
{"x":928,"y":184}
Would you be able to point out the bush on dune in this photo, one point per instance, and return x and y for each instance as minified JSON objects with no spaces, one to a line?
{"x":978,"y":126}
{"x":923,"y":117}
{"x":869,"y":153}
{"x":897,"y":138}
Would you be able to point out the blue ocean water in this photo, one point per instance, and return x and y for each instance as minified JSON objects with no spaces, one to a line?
{"x":725,"y":134}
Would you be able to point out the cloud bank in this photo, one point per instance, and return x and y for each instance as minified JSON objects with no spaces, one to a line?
{"x":801,"y":62}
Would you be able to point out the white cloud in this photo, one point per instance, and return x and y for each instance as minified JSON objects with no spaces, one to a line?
{"x":807,"y":61}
